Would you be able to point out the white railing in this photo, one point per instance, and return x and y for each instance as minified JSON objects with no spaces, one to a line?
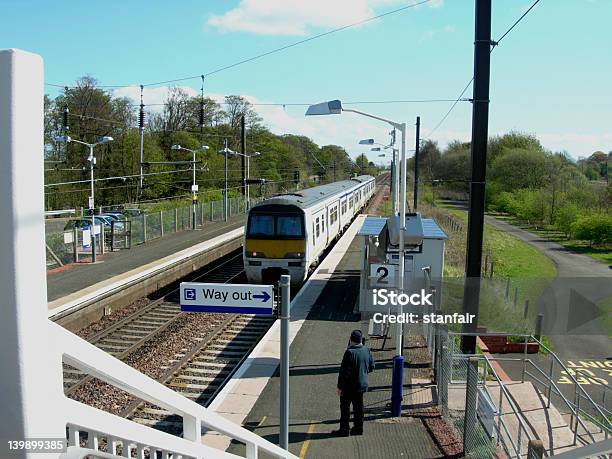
{"x":97,"y":424}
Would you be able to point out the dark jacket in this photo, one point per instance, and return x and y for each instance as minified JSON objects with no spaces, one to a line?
{"x":356,"y":364}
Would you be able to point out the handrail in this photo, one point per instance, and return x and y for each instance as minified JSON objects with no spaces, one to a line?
{"x":504,"y":391}
{"x":578,"y":386}
{"x":564,"y":398}
{"x":88,"y":358}
{"x":515,"y":409}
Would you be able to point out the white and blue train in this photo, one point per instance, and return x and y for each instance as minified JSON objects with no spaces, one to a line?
{"x":288,"y":233}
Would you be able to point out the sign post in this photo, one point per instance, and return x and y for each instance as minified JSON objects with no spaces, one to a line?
{"x":228,"y":298}
{"x":285,"y":314}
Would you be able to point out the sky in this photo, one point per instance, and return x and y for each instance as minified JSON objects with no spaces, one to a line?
{"x":551,"y":76}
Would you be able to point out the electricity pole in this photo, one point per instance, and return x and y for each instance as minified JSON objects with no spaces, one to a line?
{"x":480,"y":126}
{"x":243,"y":159}
{"x":141,"y":120}
{"x":416,"y":165}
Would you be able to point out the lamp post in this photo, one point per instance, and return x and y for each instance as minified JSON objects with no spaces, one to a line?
{"x":225,"y":152}
{"x":334,"y":107}
{"x":92,"y":160}
{"x":194,"y":186}
{"x":394,"y":168}
{"x":248,"y":175}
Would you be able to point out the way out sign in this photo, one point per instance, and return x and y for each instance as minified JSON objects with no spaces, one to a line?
{"x":230,"y":298}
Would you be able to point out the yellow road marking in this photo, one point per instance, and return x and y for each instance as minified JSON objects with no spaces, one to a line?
{"x":262,"y":421}
{"x":306,"y":443}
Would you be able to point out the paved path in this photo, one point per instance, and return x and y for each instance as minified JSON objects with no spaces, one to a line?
{"x":314,"y":406}
{"x":570,"y":314}
{"x":75,"y":277}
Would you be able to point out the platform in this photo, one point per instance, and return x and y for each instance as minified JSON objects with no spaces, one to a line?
{"x":78,"y":284}
{"x":322,"y":319}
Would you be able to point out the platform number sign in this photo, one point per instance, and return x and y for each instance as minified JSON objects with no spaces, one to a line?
{"x":382,"y":275}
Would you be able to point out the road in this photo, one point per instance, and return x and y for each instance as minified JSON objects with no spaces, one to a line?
{"x":570,"y":314}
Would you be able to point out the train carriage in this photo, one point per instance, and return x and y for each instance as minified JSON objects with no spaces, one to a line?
{"x":288,"y":233}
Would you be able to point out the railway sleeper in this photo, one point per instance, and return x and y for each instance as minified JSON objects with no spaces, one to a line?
{"x":190,"y":387}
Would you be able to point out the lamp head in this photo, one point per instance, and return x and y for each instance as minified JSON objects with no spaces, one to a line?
{"x":63,"y":138}
{"x":203,"y":147}
{"x":106,"y":139}
{"x":256,"y":154}
{"x":366,"y":142}
{"x":332,"y":107}
{"x":375,"y":149}
{"x":175,"y":147}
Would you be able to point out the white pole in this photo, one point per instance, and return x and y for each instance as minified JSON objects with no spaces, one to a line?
{"x":248,"y":186}
{"x":396,"y":179}
{"x":31,"y":385}
{"x":193,"y":192}
{"x":91,"y":204}
{"x":402,"y":247}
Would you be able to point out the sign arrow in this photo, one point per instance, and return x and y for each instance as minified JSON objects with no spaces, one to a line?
{"x":264,"y":296}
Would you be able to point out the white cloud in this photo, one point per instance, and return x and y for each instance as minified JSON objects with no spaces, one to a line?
{"x":297,"y":17}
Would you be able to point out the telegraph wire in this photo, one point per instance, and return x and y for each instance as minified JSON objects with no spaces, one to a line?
{"x":494,"y":44}
{"x":273,"y":51}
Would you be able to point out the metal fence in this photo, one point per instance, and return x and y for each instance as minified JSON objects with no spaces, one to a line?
{"x":477,"y":402}
{"x":65,"y":247}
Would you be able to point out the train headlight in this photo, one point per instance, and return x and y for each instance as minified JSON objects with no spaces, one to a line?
{"x":294,"y":255}
{"x":250,"y":254}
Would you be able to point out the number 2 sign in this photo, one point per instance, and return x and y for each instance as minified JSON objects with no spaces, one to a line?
{"x":382,"y":275}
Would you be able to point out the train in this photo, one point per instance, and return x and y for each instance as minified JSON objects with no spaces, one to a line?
{"x":288,"y":233}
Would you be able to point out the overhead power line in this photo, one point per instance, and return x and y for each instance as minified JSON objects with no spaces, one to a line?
{"x":494,"y":44}
{"x":268,"y":53}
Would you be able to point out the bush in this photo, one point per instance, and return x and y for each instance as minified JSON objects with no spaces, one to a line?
{"x":597,"y":229}
{"x":567,"y":214}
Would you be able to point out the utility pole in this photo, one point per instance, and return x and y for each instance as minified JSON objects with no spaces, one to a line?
{"x":225,"y":206}
{"x":480,"y":126}
{"x":416,"y":165}
{"x":141,"y":120}
{"x":243,"y":160}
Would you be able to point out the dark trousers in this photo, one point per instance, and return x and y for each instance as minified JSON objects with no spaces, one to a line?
{"x":356,"y":399}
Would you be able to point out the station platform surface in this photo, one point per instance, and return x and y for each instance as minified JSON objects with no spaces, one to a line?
{"x":322,"y":319}
{"x":76,"y":277}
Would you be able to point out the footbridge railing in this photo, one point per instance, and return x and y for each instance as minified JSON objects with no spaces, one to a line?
{"x":98,"y":429}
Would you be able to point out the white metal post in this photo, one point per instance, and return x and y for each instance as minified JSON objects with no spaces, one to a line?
{"x":402,"y":246}
{"x":396,"y":179}
{"x":248,"y":186}
{"x":194,"y":197}
{"x":285,"y":318}
{"x":91,"y":204}
{"x":31,"y":385}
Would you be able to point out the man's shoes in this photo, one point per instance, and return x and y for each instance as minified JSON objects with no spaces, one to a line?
{"x":356,"y":432}
{"x":340,"y":433}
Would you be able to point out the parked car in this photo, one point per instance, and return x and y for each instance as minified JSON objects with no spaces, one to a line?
{"x":85,"y":222}
{"x":116,"y":218}
{"x":131,"y":212}
{"x":115,"y":213}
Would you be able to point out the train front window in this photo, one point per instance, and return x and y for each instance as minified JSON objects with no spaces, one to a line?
{"x":261,"y":225}
{"x":290,"y":225}
{"x":275,"y":226}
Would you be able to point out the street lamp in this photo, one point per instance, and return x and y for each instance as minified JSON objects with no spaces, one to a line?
{"x":334,"y":107}
{"x":248,"y":175}
{"x":194,"y":186}
{"x":92,"y":160}
{"x":394,"y":168}
{"x":225,"y":152}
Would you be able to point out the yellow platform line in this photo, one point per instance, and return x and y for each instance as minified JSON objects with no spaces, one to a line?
{"x":306,"y":443}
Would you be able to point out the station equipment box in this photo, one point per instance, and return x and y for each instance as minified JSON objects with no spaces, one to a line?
{"x":423,"y":262}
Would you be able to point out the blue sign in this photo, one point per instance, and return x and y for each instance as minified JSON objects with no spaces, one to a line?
{"x":228,"y":298}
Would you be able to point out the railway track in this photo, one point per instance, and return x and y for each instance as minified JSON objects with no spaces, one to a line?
{"x":201,"y":372}
{"x":132,"y":332}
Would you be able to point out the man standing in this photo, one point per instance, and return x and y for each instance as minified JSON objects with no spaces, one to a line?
{"x":352,"y":383}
